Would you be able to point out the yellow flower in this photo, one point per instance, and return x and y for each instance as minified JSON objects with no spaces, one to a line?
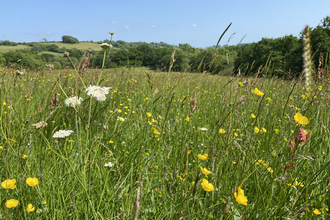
{"x":110,"y":142}
{"x":1,"y":147}
{"x":270,"y":170}
{"x":149,"y":114}
{"x":316,"y":212}
{"x":240,"y":198}
{"x":205,"y":171}
{"x":252,"y":115}
{"x":32,"y":181}
{"x":203,"y":157}
{"x":25,"y":157}
{"x":256,"y":130}
{"x":11,"y":203}
{"x":187,"y":119}
{"x":153,"y":121}
{"x":30,"y":208}
{"x":236,"y":135}
{"x":44,"y":202}
{"x":156,"y":132}
{"x":207,"y":186}
{"x":222,"y":131}
{"x":257,"y":92}
{"x":300,"y":119}
{"x":320,"y":88}
{"x":9,"y":184}
{"x":160,"y":117}
{"x":264,"y":130}
{"x":121,"y":119}
{"x":119,"y":111}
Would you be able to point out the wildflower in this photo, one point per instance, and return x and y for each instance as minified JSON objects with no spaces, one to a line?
{"x":256,"y":130}
{"x":240,"y":198}
{"x":105,"y":46}
{"x":25,"y":157}
{"x":268,"y":99}
{"x":44,"y":202}
{"x":62,"y":134}
{"x":187,"y":119}
{"x":253,"y":116}
{"x":30,"y":208}
{"x":9,"y":184}
{"x":222,"y":131}
{"x":203,"y":157}
{"x":98,"y":92}
{"x":156,"y":132}
{"x":109,"y":164}
{"x":153,"y":120}
{"x":205,"y":171}
{"x":110,"y":142}
{"x":264,"y":130}
{"x":160,"y":117}
{"x":207,"y":186}
{"x":257,"y":92}
{"x":73,"y":102}
{"x":32,"y":181}
{"x":121,"y":119}
{"x":1,"y":147}
{"x":203,"y":129}
{"x":19,"y":73}
{"x":240,"y":84}
{"x":40,"y":124}
{"x":111,"y":33}
{"x":270,"y":170}
{"x":233,"y":162}
{"x":300,"y":119}
{"x":316,"y":212}
{"x":149,"y":114}
{"x":12,"y":203}
{"x":320,"y":88}
{"x":66,"y":53}
{"x":236,"y":135}
{"x":276,"y":131}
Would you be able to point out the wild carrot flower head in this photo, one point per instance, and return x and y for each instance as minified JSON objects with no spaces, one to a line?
{"x":12,"y":203}
{"x":203,"y":157}
{"x":98,"y":92}
{"x":30,"y":208}
{"x":73,"y":102}
{"x":62,"y":134}
{"x":9,"y":184}
{"x":105,"y":46}
{"x":240,"y":197}
{"x":300,"y":119}
{"x":207,"y":186}
{"x":32,"y":181}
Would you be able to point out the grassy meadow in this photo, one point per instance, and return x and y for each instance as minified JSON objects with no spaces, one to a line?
{"x":163,"y":146}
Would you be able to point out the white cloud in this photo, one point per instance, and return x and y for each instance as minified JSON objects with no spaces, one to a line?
{"x":127,"y":27}
{"x":153,"y":26}
{"x":194,"y":25}
{"x":114,"y":22}
{"x":47,"y":32}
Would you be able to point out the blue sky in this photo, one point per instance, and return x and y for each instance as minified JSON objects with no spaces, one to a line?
{"x":199,"y":23}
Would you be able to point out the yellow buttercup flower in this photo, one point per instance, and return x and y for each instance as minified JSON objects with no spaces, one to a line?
{"x":316,"y":212}
{"x":253,"y":116}
{"x":256,"y":130}
{"x":270,"y":170}
{"x":264,"y":130}
{"x":205,"y":171}
{"x":156,"y":132}
{"x":207,"y":186}
{"x":203,"y":157}
{"x":222,"y":131}
{"x":187,"y":119}
{"x":300,"y":119}
{"x":12,"y":203}
{"x":9,"y":184}
{"x":30,"y":208}
{"x":257,"y":92}
{"x":149,"y":114}
{"x":240,"y":197}
{"x":25,"y":157}
{"x":32,"y":181}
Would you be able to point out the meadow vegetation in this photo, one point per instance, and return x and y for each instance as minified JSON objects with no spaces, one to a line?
{"x":135,"y":143}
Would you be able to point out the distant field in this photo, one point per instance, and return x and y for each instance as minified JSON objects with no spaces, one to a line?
{"x":4,"y":49}
{"x":80,"y":46}
{"x":48,"y":52}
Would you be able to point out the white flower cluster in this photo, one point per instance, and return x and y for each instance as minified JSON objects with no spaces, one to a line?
{"x":108,"y":164}
{"x":62,"y":134}
{"x":105,"y":46}
{"x":98,"y":92}
{"x":73,"y":102}
{"x":19,"y":73}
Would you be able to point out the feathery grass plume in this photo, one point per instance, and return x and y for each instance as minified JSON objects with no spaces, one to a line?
{"x":172,"y":61}
{"x":307,"y":58}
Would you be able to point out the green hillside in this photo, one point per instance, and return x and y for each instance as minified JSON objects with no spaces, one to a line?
{"x":4,"y":49}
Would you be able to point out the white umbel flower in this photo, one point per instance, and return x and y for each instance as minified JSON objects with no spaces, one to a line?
{"x":98,"y":92}
{"x":62,"y":134}
{"x":203,"y":129}
{"x":105,"y":46}
{"x":73,"y":102}
{"x":108,"y":164}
